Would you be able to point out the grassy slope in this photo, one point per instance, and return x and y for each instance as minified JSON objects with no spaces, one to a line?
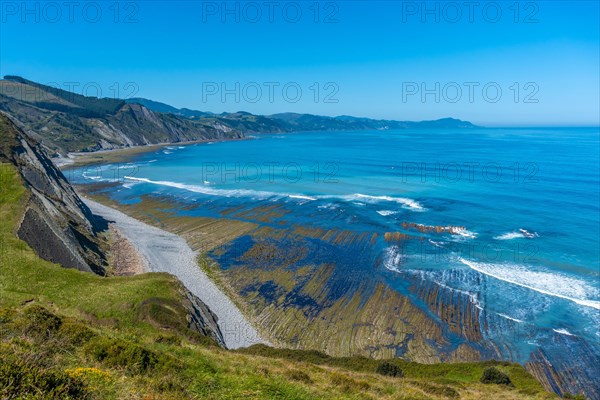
{"x":94,"y":339}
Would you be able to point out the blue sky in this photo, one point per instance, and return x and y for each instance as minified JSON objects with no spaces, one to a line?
{"x":494,"y":63}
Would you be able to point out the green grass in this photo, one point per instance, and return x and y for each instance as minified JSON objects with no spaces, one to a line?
{"x":68,"y":334}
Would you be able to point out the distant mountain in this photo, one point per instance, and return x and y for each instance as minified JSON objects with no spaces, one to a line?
{"x":165,"y":108}
{"x":344,"y":122}
{"x":67,"y":122}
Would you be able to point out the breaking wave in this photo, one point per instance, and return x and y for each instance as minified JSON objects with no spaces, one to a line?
{"x":404,"y":202}
{"x":518,"y":234}
{"x":548,"y":283}
{"x":407,"y":203}
{"x":385,"y":213}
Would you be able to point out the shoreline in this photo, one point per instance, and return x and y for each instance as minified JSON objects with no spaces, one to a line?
{"x":122,"y":154}
{"x":166,"y":252}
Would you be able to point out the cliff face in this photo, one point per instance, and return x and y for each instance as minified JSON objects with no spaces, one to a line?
{"x":64,"y":122}
{"x":201,"y":319}
{"x":56,"y":223}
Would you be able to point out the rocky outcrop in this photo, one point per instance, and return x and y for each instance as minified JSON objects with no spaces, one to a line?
{"x":201,"y":319}
{"x":566,"y":365}
{"x":55,"y":223}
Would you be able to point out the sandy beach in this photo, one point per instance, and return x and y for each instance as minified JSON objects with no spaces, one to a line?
{"x":166,"y":252}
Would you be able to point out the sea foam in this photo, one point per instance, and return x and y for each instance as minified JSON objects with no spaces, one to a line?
{"x":518,"y":234}
{"x":385,"y":213}
{"x":404,"y":202}
{"x":548,"y":283}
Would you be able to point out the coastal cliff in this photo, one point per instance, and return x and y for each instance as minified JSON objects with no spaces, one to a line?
{"x":61,"y":229}
{"x":65,"y":122}
{"x":55,"y":223}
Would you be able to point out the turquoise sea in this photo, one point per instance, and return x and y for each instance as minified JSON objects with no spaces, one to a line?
{"x":517,"y":213}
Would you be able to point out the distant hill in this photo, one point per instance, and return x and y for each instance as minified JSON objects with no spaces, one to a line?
{"x":165,"y":108}
{"x":56,"y":99}
{"x":67,"y":122}
{"x":306,"y":122}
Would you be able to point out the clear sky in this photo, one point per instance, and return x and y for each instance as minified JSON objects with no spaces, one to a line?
{"x":493,"y":63}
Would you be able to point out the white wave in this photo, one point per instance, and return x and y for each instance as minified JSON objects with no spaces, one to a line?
{"x":510,"y":318}
{"x":210,"y":191}
{"x":328,"y":206}
{"x":95,"y":177}
{"x":406,"y":203}
{"x":129,"y":185}
{"x":385,"y":213}
{"x":509,"y":236}
{"x":527,"y":234}
{"x":563,"y":331}
{"x":437,"y":244}
{"x":301,"y":197}
{"x":548,"y":283}
{"x":126,"y":166}
{"x":440,"y":281}
{"x":461,"y":232}
{"x":152,"y":161}
{"x":392,"y":258}
{"x":266,"y":195}
{"x":520,"y":233}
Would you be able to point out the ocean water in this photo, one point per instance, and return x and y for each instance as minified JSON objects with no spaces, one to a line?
{"x":517,"y":211}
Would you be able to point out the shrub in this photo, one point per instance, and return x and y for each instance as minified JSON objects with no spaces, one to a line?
{"x":574,"y":396}
{"x":38,"y":321}
{"x":299,"y":376}
{"x":493,"y":375}
{"x":167,"y":339}
{"x":389,"y":369}
{"x":76,"y":334}
{"x":26,"y":380}
{"x":120,"y":353}
{"x":170,"y":384}
{"x":437,"y":390}
{"x":6,"y":315}
{"x":163,"y":313}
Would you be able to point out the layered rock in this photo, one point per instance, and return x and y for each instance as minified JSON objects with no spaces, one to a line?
{"x":56,"y":223}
